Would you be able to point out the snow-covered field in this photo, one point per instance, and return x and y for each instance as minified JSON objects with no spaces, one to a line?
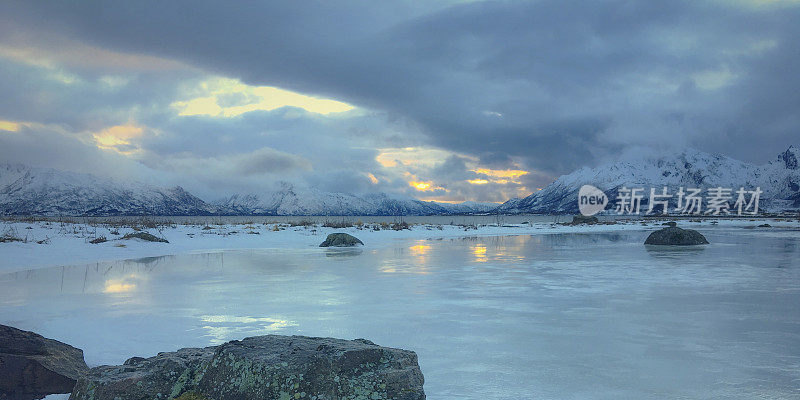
{"x":69,"y":243}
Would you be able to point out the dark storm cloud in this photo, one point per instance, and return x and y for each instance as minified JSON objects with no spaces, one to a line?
{"x":82,"y":100}
{"x":555,"y":84}
{"x":270,"y":161}
{"x":453,"y":168}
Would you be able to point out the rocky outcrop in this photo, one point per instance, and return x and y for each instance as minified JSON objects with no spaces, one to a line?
{"x":32,"y":366}
{"x":340,"y":240}
{"x":674,"y":236}
{"x":162,"y":376}
{"x":263,"y":367}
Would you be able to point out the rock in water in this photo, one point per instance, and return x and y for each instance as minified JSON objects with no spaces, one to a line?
{"x":32,"y":366}
{"x":263,"y":367}
{"x":340,"y":240}
{"x":674,"y":236}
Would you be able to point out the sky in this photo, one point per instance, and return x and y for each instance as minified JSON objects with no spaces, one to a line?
{"x":441,"y":100}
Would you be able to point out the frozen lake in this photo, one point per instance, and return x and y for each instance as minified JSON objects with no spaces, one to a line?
{"x":567,"y":316}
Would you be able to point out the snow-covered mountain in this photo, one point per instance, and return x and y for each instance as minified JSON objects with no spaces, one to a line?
{"x":40,"y":191}
{"x":290,"y":200}
{"x":779,"y":179}
{"x":43,"y":191}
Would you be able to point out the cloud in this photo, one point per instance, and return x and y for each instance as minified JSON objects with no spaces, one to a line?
{"x":229,"y":98}
{"x":267,"y":161}
{"x":53,"y":147}
{"x":542,"y":87}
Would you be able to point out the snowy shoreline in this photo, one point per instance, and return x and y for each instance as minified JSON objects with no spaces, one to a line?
{"x":48,"y":243}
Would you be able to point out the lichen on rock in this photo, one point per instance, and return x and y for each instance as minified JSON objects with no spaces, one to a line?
{"x":264,"y":367}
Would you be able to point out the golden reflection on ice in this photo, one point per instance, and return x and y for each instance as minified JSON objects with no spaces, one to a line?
{"x":419,"y":265}
{"x":479,"y":251}
{"x":419,"y":250}
{"x":121,"y":285}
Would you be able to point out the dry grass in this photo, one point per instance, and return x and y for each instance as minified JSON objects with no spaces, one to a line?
{"x":302,"y":222}
{"x":338,"y":224}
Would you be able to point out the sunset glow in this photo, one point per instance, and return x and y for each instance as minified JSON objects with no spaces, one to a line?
{"x":421,"y":186}
{"x":118,"y":138}
{"x":9,"y":126}
{"x":520,"y":198}
{"x":501,"y":173}
{"x":251,"y":98}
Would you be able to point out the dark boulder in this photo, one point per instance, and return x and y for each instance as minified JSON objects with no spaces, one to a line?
{"x":32,"y":366}
{"x":263,"y":367}
{"x":145,"y":236}
{"x":670,"y":223}
{"x":765,"y":226}
{"x":340,"y":240}
{"x":674,"y":236}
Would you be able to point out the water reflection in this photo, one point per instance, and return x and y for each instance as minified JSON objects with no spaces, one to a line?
{"x":674,"y":252}
{"x":419,"y":250}
{"x":343,"y":252}
{"x":605,"y":314}
{"x":479,"y":251}
{"x":119,"y":286}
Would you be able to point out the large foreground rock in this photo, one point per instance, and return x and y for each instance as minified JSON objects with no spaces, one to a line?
{"x":340,"y":240}
{"x":263,"y":367}
{"x":674,"y":236}
{"x":32,"y":366}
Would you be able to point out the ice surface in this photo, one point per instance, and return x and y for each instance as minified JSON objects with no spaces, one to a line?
{"x":555,"y":316}
{"x":68,"y":243}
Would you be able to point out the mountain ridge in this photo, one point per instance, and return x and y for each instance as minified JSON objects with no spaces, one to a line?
{"x":778,"y":178}
{"x":28,"y":190}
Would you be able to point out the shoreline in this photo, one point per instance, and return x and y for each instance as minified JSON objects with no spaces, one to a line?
{"x":47,"y":243}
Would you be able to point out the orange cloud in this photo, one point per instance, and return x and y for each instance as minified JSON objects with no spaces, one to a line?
{"x":501,"y":173}
{"x":411,"y":157}
{"x":421,"y":186}
{"x":9,"y":126}
{"x":118,"y":138}
{"x":259,"y":98}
